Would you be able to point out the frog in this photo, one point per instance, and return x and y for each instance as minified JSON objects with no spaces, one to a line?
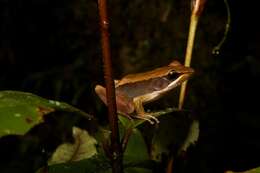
{"x":133,"y":91}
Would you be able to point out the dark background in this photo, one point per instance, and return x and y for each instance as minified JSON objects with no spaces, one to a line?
{"x":52,"y":48}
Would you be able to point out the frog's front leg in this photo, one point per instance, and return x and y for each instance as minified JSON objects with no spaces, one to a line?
{"x":141,"y":114}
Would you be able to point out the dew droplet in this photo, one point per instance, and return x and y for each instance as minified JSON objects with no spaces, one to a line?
{"x":215,"y":52}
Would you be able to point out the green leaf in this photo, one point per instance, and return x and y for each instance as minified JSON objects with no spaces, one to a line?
{"x":255,"y":170}
{"x":136,"y":150}
{"x":20,"y":111}
{"x":83,"y":147}
{"x":96,"y":164}
{"x":137,"y":170}
{"x":146,"y":164}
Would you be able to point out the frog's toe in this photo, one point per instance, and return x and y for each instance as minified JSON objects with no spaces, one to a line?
{"x":145,"y":118}
{"x":151,"y":119}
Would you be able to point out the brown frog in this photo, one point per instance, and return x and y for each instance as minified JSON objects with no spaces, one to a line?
{"x":134,"y":90}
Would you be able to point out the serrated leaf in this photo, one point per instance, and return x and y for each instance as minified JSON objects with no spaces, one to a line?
{"x":83,"y":147}
{"x":20,"y":111}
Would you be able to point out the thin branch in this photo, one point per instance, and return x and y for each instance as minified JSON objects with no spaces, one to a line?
{"x":197,"y":8}
{"x":110,"y":89}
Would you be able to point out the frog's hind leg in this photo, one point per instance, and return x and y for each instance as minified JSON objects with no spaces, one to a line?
{"x":148,"y":118}
{"x":141,"y":114}
{"x":101,"y":92}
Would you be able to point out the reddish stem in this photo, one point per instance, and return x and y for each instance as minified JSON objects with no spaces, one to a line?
{"x":126,"y":138}
{"x":198,"y":6}
{"x":110,"y":88}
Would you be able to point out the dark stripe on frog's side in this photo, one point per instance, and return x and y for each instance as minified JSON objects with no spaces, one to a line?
{"x":144,"y":87}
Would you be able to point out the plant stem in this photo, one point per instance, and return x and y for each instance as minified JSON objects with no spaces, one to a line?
{"x":170,"y":165}
{"x":191,"y":37}
{"x":197,"y":9}
{"x":116,"y":148}
{"x":126,"y":137}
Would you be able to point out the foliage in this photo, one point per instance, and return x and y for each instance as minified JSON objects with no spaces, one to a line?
{"x":255,"y":170}
{"x":51,"y":48}
{"x":82,"y":148}
{"x":20,"y":111}
{"x":33,"y":127}
{"x":73,"y":150}
{"x":97,"y":164}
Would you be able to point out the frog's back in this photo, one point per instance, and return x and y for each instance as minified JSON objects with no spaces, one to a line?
{"x":138,"y":77}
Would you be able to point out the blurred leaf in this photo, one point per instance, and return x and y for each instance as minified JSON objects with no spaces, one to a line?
{"x":137,"y":170}
{"x":82,"y":148}
{"x":169,"y":136}
{"x":146,"y":165}
{"x":31,"y":151}
{"x":136,"y":160}
{"x":20,"y":111}
{"x":255,"y":170}
{"x":192,"y":137}
{"x":136,"y":149}
{"x":41,"y":170}
{"x":96,"y":164}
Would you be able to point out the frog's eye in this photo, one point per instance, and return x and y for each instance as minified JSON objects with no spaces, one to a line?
{"x":173,"y":75}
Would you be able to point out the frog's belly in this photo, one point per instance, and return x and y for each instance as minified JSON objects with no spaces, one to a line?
{"x":133,"y":90}
{"x":149,"y":97}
